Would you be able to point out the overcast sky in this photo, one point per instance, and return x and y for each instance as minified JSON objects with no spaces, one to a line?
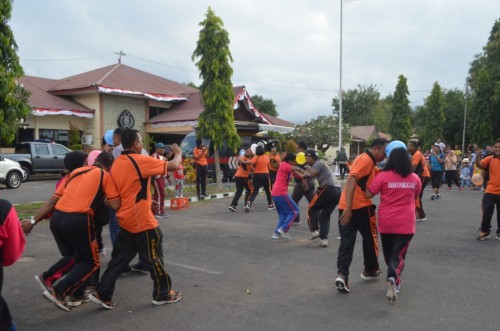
{"x":286,"y":50}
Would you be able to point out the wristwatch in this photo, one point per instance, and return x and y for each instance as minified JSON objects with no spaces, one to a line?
{"x":32,"y":220}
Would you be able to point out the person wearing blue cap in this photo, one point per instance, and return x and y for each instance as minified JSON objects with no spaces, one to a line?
{"x":398,"y":187}
{"x":107,"y":142}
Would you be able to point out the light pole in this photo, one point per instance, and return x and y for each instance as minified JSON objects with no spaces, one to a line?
{"x":340,"y":91}
{"x":465,"y":118}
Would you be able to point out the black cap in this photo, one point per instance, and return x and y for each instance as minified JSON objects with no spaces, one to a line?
{"x":312,"y":153}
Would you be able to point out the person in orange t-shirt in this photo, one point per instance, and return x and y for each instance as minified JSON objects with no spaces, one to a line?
{"x":357,"y":213}
{"x":422,"y":171}
{"x":74,"y":204}
{"x":274,"y":164}
{"x":491,"y":197}
{"x":139,"y":230}
{"x":200,"y":153}
{"x":241,"y":180}
{"x":260,"y":163}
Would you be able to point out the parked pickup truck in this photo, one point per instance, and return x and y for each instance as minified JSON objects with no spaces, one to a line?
{"x":39,"y":157}
{"x":11,"y":173}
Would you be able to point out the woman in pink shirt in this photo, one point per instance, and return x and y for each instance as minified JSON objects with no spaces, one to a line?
{"x":398,"y":187}
{"x":285,"y":206}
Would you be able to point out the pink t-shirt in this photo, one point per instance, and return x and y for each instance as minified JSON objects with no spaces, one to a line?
{"x":280,"y":186}
{"x":396,"y":212}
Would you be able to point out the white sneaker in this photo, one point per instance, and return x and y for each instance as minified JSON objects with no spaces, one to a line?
{"x":324,"y":243}
{"x":284,"y":234}
{"x":314,"y":234}
{"x":276,"y":236}
{"x":392,"y":294}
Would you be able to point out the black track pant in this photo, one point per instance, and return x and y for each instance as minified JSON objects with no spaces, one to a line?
{"x":320,"y":209}
{"x":489,"y":202}
{"x":395,"y":247}
{"x":261,"y":180}
{"x":364,"y":221}
{"x":149,"y":246}
{"x":298,"y":193}
{"x":242,"y":183}
{"x":74,"y":233}
{"x":201,"y":179}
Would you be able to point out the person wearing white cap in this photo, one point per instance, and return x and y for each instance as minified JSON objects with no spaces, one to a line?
{"x":465,"y":174}
{"x":159,"y":182}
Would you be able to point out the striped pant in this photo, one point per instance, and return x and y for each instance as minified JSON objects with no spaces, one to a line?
{"x":287,"y":211}
{"x":395,"y":247}
{"x":320,"y":209}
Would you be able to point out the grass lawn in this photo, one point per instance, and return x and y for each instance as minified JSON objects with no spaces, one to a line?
{"x":26,"y":210}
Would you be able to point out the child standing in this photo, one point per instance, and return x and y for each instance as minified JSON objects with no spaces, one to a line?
{"x":465,"y":174}
{"x":179,"y":181}
{"x":398,"y":187}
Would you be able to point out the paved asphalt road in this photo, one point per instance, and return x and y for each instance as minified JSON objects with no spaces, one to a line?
{"x":451,"y":280}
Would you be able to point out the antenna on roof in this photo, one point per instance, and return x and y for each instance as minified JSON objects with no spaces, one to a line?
{"x":120,"y":53}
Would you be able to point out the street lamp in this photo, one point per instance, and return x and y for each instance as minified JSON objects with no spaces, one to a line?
{"x":340,"y":91}
{"x":465,"y":118}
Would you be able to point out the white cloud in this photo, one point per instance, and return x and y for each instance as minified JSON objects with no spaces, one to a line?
{"x":284,"y":50}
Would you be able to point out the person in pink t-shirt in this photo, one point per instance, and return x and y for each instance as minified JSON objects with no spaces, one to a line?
{"x":285,"y":206}
{"x":398,"y":187}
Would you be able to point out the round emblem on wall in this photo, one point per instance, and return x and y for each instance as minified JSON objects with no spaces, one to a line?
{"x":126,"y":120}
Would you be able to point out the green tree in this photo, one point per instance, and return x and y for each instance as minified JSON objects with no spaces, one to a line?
{"x":266,"y":106}
{"x":454,"y":103}
{"x":434,"y":120}
{"x":216,"y":122}
{"x":13,"y":97}
{"x":358,"y":105}
{"x":322,"y":132}
{"x":480,"y":115}
{"x":419,"y":121}
{"x":490,"y":61}
{"x":400,"y":124}
{"x":382,"y":114}
{"x":191,"y":84}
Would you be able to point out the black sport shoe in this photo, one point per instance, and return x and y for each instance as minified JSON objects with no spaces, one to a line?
{"x":140,"y":269}
{"x":233,"y":208}
{"x":247,"y":207}
{"x":369,"y":275}
{"x":172,"y":297}
{"x":341,"y":283}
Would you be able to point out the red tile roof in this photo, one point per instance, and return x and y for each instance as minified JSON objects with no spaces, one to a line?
{"x":42,"y":100}
{"x":120,"y":78}
{"x":190,"y":110}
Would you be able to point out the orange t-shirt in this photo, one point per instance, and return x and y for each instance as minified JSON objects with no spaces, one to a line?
{"x":135,"y":213}
{"x":364,"y":170}
{"x":493,"y":165}
{"x":203,"y":158}
{"x":418,"y":158}
{"x":260,"y":164}
{"x":243,"y":169}
{"x":79,"y":190}
{"x":278,"y":161}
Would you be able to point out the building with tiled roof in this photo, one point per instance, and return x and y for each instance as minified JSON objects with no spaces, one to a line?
{"x":119,"y":95}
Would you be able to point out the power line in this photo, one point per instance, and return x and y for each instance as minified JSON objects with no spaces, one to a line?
{"x":163,"y":64}
{"x":61,"y":60}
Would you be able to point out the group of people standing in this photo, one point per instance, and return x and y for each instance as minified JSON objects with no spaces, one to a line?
{"x":400,"y":189}
{"x":121,"y":184}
